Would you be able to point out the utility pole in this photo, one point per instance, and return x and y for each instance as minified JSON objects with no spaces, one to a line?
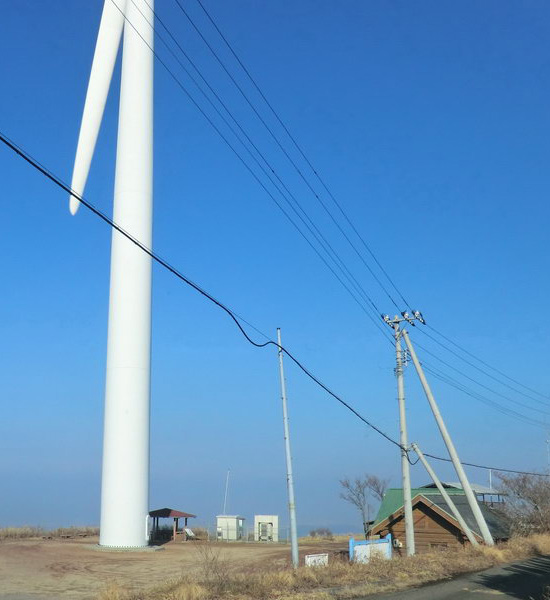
{"x":289,"y":478}
{"x":467,"y":531}
{"x":395,"y":324}
{"x":472,"y":501}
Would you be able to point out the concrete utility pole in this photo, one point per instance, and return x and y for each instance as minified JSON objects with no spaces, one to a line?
{"x":125,"y":477}
{"x":289,"y":478}
{"x":403,"y":439}
{"x":472,"y":501}
{"x":467,"y":531}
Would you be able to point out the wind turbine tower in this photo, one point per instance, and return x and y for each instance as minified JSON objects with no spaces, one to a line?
{"x":125,"y":476}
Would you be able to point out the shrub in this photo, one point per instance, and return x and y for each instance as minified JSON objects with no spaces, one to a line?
{"x":321,"y":532}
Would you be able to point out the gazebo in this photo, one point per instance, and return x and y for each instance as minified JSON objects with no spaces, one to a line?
{"x":169,"y":513}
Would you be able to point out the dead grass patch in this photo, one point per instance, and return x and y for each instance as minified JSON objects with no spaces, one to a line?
{"x":34,"y":531}
{"x":218,"y":579}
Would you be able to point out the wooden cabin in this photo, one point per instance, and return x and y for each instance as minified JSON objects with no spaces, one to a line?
{"x":434,"y":525}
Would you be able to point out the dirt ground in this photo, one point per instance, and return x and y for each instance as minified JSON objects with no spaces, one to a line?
{"x":37,"y":569}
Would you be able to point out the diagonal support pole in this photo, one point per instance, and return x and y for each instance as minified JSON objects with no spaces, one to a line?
{"x":476,"y":510}
{"x":456,"y":513}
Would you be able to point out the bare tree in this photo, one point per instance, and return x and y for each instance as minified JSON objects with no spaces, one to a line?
{"x":357,"y":492}
{"x":527,"y":502}
{"x":377,"y":486}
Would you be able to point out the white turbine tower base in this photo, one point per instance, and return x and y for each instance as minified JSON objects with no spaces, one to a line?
{"x":125,"y":478}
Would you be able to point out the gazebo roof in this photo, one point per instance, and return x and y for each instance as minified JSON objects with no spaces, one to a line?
{"x":165,"y":513}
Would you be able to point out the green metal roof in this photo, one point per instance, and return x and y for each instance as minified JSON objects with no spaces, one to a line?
{"x":393,"y":500}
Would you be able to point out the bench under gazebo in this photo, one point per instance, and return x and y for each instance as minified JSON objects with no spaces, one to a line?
{"x":157,"y":534}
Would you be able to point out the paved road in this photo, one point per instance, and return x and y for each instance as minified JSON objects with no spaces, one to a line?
{"x":520,"y":581}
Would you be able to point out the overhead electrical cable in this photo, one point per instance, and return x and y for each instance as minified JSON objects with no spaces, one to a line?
{"x":346,"y":273}
{"x":473,"y":365}
{"x":302,"y":153}
{"x":445,"y":378}
{"x":316,"y":173}
{"x":232,"y":314}
{"x":546,"y":397}
{"x":320,"y":238}
{"x":287,"y":155}
{"x":373,"y":319}
{"x":166,"y":265}
{"x":487,"y":468}
{"x":493,"y":391}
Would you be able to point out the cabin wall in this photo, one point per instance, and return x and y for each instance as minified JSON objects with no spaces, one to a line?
{"x":431,"y":532}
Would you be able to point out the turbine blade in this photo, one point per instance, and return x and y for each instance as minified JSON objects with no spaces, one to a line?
{"x":106,"y":50}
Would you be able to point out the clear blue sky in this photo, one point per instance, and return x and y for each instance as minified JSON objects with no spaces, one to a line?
{"x":429,"y":121}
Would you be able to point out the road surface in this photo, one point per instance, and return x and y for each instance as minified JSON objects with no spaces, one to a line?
{"x":519,"y":581}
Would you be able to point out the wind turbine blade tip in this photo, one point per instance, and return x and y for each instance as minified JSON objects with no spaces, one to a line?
{"x":73,"y":205}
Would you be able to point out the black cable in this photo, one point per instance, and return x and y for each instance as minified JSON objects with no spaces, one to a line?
{"x":163,"y":263}
{"x":488,"y":365}
{"x":544,"y":412}
{"x":488,"y":468}
{"x":473,"y":365}
{"x":284,"y":151}
{"x":476,"y":396}
{"x":300,"y":150}
{"x":323,"y":242}
{"x":209,"y":120}
{"x":236,"y":319}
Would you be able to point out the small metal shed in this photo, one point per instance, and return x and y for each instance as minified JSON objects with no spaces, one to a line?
{"x":229,"y":527}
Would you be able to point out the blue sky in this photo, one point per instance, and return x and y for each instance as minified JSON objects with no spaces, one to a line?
{"x":429,"y":121}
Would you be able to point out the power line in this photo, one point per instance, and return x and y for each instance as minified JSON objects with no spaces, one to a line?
{"x":302,"y":153}
{"x":544,"y":412}
{"x":471,"y":364}
{"x":323,"y":242}
{"x":304,"y":156}
{"x":487,"y":364}
{"x":445,"y":378}
{"x":163,"y":263}
{"x":285,"y":152}
{"x":232,"y":314}
{"x":350,"y":277}
{"x":489,"y":468}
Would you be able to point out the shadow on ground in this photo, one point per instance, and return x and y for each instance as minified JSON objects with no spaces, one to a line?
{"x":525,"y":581}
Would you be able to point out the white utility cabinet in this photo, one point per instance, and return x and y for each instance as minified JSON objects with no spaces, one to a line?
{"x":266,"y":528}
{"x":229,"y":527}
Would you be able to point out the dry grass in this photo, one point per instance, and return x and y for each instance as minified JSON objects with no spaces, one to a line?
{"x":338,"y":537}
{"x":32,"y":531}
{"x":340,"y":579}
{"x":18,"y":533}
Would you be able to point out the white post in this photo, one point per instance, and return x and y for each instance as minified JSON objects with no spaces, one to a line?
{"x":472,"y":501}
{"x":289,"y":477}
{"x":225,"y":495}
{"x":467,"y":531}
{"x":403,"y":440}
{"x":125,"y":483}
